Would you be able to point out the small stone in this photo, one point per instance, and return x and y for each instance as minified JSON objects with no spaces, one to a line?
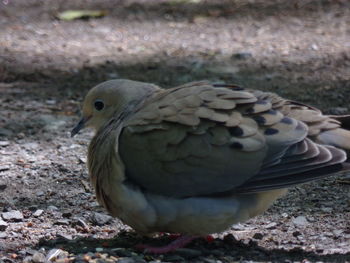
{"x":271,"y":225}
{"x":3,"y":225}
{"x":55,"y":254}
{"x":38,"y":257}
{"x":4,"y":143}
{"x":52,"y":208}
{"x":62,"y":222}
{"x":99,"y":249}
{"x":100,"y":219}
{"x":258,"y":236}
{"x":40,"y":193}
{"x":188,"y":252}
{"x":38,"y":213}
{"x":4,"y":168}
{"x":327,"y":209}
{"x":28,"y":259}
{"x":80,"y":222}
{"x":50,"y":102}
{"x":3,"y":235}
{"x":13,"y":215}
{"x":300,"y":221}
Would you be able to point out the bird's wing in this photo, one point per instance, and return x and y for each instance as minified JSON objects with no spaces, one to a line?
{"x":201,"y":139}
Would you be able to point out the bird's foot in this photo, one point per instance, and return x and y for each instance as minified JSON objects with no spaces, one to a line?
{"x":180,"y":242}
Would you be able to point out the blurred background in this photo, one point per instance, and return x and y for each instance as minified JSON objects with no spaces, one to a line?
{"x":53,"y":51}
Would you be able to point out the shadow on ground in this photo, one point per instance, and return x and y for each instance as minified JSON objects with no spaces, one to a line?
{"x":123,"y":245}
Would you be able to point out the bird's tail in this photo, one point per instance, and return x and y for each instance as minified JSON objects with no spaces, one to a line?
{"x":338,"y":137}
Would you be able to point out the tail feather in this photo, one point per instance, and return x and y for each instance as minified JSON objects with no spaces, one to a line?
{"x":339,"y":137}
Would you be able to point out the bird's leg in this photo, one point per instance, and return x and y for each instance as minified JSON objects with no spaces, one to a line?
{"x":180,"y":242}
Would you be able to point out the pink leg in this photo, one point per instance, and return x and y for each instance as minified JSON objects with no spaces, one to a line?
{"x":180,"y":242}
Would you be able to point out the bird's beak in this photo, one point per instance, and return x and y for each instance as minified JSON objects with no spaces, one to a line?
{"x":79,"y":126}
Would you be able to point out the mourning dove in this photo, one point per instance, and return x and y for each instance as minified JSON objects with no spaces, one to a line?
{"x":197,"y":158}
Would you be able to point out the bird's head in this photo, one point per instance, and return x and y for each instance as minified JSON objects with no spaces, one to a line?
{"x":107,"y":100}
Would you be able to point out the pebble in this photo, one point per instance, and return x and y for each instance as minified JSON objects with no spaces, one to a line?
{"x":38,"y":258}
{"x":62,"y":222}
{"x":4,"y":168}
{"x":100,"y":219}
{"x":13,"y":215}
{"x":4,"y":143}
{"x":52,"y":208}
{"x":300,"y":221}
{"x":38,"y":213}
{"x":56,"y":253}
{"x":3,"y":225}
{"x":271,"y":225}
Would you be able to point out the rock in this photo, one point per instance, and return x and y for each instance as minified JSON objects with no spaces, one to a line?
{"x":52,"y":208}
{"x":258,"y":236}
{"x":80,"y":222}
{"x":55,"y":254}
{"x":300,"y":221}
{"x":242,"y":55}
{"x":188,"y":252}
{"x":271,"y":225}
{"x":4,"y":168}
{"x":13,"y":215}
{"x":100,"y":219}
{"x":62,"y":222}
{"x":38,"y":213}
{"x":38,"y":258}
{"x":4,"y":143}
{"x":99,"y":249}
{"x":3,"y":235}
{"x":3,"y":225}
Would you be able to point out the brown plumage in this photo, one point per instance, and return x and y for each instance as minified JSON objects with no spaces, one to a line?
{"x":198,"y":158}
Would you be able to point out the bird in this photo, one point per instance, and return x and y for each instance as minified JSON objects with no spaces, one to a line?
{"x":197,"y":158}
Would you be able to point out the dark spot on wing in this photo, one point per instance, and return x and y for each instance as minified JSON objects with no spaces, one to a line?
{"x":287,"y":120}
{"x":270,"y":131}
{"x":259,"y":119}
{"x":236,"y":131}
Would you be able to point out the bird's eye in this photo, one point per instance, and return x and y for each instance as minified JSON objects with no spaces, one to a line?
{"x":99,"y":105}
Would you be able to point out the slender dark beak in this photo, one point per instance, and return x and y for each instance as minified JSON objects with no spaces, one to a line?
{"x":79,"y":126}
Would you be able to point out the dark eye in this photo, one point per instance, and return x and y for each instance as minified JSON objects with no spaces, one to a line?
{"x":99,"y":105}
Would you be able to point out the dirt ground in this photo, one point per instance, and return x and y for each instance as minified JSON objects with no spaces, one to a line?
{"x":299,"y":49}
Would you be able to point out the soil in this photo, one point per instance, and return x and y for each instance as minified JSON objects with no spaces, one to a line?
{"x":299,"y":49}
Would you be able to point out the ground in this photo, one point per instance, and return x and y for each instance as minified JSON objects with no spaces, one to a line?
{"x":299,"y":49}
